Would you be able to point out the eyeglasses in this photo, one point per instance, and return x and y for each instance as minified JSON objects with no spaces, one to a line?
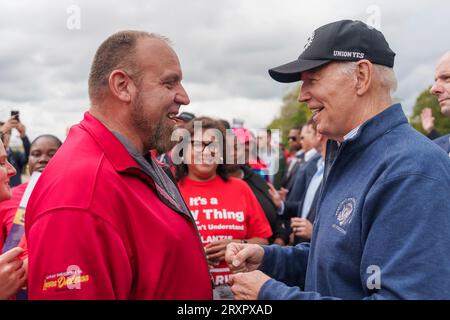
{"x":201,"y":146}
{"x":292,"y":138}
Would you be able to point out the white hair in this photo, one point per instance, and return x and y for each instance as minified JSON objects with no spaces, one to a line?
{"x":385,"y":75}
{"x":387,"y":78}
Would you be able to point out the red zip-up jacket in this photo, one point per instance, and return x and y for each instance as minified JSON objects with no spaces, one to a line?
{"x":96,"y":229}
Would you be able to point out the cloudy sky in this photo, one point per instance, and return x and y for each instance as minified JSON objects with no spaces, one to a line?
{"x":225,"y":48}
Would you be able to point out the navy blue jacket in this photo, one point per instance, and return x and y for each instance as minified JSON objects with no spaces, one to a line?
{"x":382,"y":229}
{"x":444,"y":143}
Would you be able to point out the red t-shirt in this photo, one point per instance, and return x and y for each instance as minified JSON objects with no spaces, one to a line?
{"x":224,"y":210}
{"x":8,"y":211}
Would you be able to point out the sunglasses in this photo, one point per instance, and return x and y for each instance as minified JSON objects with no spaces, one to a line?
{"x":292,"y":138}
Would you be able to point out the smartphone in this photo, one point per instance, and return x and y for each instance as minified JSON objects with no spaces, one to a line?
{"x":15,"y":114}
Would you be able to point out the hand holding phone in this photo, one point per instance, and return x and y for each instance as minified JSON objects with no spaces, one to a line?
{"x":15,"y":114}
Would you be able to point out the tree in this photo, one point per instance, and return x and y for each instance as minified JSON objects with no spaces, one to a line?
{"x":427,"y":100}
{"x":292,"y":114}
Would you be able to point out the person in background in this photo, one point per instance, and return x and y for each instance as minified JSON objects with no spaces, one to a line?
{"x":42,"y":149}
{"x":256,"y":183}
{"x":17,"y":158}
{"x":289,"y":207}
{"x":271,"y":156}
{"x":225,"y":208}
{"x":297,"y":157}
{"x":441,"y":89}
{"x":427,"y":119}
{"x":13,"y":271}
{"x":302,"y":224}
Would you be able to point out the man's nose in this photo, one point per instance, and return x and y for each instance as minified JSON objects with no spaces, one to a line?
{"x":303,"y":95}
{"x":11,"y":171}
{"x":182,"y":97}
{"x":436,"y":89}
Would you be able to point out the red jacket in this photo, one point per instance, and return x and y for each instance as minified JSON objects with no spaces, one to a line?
{"x":96,"y":229}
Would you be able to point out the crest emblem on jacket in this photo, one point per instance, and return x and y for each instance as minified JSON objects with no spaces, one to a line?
{"x":344,"y":214}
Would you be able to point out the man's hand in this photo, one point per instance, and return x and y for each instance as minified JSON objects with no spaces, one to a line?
{"x":427,"y":120}
{"x":22,"y":129}
{"x":302,"y":228}
{"x":215,"y":251}
{"x":243,"y":257}
{"x":10,"y":124}
{"x":279,"y":241}
{"x":246,"y":286}
{"x":275,"y":195}
{"x":283,"y":194}
{"x":13,"y":274}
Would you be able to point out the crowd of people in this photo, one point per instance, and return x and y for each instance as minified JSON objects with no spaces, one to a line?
{"x":141,"y":202}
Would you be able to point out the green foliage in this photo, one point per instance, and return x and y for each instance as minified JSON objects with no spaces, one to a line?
{"x":292,"y":115}
{"x":427,"y":100}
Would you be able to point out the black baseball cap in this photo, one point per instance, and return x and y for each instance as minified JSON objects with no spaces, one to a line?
{"x":344,"y":40}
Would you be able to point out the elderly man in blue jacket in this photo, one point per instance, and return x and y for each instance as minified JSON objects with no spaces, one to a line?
{"x":383,"y":219}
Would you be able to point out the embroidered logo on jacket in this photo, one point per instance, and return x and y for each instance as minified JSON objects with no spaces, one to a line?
{"x":72,"y":279}
{"x":344,"y":214}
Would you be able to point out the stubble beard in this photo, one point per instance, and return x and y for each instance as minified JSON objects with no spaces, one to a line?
{"x":154,"y":135}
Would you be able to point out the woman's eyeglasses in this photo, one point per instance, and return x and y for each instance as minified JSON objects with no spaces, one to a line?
{"x":201,"y":146}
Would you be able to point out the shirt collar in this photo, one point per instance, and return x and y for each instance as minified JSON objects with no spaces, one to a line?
{"x":113,"y":148}
{"x":352,"y":133}
{"x":299,"y":153}
{"x":311,"y":153}
{"x":375,"y":127}
{"x":320,"y":163}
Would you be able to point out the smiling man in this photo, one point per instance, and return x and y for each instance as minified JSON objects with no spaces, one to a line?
{"x":382,"y":228}
{"x":104,"y":220}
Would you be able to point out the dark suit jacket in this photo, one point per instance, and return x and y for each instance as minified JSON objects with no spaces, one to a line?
{"x":289,"y":178}
{"x":297,"y":194}
{"x":311,"y":214}
{"x":261,"y":191}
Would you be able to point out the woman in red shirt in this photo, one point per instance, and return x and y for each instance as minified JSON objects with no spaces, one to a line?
{"x":12,"y":269}
{"x":225,"y":208}
{"x":42,"y":149}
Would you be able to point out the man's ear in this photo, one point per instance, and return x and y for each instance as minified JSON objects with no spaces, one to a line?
{"x":364,"y":72}
{"x":121,"y":85}
{"x":319,"y":136}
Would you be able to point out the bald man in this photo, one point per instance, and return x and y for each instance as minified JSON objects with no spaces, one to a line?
{"x":105,"y":221}
{"x":441,"y":89}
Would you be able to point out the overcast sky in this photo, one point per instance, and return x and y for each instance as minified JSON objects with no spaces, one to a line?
{"x":225,"y":48}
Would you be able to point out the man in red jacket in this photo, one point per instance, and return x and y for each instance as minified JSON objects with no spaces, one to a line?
{"x":104,"y":220}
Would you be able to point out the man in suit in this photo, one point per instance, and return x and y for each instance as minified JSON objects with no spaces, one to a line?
{"x":302,"y":225}
{"x":305,"y":173}
{"x":297,"y":158}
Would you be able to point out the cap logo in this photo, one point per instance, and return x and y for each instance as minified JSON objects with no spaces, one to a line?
{"x":348,"y":54}
{"x":310,"y":40}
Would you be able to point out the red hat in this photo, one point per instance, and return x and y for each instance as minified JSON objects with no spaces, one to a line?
{"x":243,"y":135}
